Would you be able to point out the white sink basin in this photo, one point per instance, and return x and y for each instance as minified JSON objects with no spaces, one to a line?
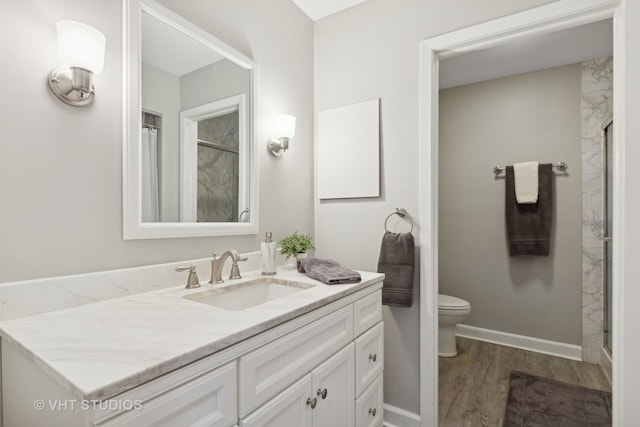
{"x":248,"y":294}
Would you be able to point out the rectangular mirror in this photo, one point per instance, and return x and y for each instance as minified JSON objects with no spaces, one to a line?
{"x":189,"y":159}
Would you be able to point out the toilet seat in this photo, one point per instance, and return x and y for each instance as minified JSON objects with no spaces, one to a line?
{"x":449,"y":303}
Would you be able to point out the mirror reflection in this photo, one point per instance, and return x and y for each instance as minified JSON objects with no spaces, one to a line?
{"x":195,"y":130}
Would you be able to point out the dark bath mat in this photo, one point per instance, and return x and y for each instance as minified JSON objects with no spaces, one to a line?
{"x":535,"y":401}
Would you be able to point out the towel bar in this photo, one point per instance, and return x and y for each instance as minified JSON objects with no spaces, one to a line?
{"x":562,"y":166}
{"x":401,"y":212}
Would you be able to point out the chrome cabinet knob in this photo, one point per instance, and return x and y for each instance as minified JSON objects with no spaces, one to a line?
{"x":312,"y":402}
{"x":373,"y":357}
{"x":322,"y":393}
{"x":373,"y":411}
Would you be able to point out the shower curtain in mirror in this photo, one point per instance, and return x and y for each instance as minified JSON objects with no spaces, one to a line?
{"x":149,"y":160}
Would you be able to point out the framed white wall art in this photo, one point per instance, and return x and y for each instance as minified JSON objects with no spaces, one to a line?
{"x":349,"y":151}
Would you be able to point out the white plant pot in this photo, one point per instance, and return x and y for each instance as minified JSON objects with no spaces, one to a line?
{"x":300,"y":255}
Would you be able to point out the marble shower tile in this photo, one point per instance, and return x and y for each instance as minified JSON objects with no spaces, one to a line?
{"x":597,"y":107}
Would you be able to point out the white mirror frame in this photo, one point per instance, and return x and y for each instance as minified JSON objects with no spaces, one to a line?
{"x":133,"y":227}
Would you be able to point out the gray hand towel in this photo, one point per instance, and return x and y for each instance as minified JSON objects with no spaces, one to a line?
{"x":529,"y":225}
{"x":327,"y":271}
{"x":397,"y":259}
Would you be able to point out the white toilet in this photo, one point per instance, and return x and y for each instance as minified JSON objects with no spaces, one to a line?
{"x":451,"y":311}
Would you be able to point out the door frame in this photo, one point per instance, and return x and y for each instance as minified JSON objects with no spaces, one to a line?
{"x":189,"y":153}
{"x":545,"y":19}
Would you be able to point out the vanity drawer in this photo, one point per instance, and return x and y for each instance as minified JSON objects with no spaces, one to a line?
{"x":369,"y":405}
{"x":369,"y":357}
{"x":209,"y":400}
{"x":367,"y":312}
{"x":265,"y":372}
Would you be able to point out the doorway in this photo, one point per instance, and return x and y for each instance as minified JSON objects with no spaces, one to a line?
{"x":539,"y":21}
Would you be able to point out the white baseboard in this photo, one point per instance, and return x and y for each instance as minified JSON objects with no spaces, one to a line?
{"x":397,"y":417}
{"x":553,"y":348}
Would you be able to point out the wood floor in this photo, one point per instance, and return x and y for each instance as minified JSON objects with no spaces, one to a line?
{"x":473,"y":386}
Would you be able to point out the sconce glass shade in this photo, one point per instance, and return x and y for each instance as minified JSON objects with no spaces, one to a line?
{"x":81,"y":46}
{"x":285,"y":128}
{"x":81,"y":49}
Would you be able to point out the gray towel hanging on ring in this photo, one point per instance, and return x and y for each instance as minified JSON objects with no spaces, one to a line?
{"x":397,"y":261}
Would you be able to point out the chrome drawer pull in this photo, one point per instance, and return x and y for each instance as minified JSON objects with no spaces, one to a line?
{"x":373,"y":411}
{"x":373,"y":357}
{"x":312,"y":402}
{"x":322,"y":393}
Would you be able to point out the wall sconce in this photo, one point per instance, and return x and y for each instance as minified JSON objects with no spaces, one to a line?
{"x":285,"y":129}
{"x":81,"y":49}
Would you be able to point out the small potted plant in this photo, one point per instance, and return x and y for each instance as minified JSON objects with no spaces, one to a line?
{"x":295,"y":245}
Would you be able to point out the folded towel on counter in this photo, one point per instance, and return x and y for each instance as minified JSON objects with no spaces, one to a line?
{"x":327,"y":271}
{"x":529,"y":226}
{"x":526,"y":180}
{"x":397,"y":259}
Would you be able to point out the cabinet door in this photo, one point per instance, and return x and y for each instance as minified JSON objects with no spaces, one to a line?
{"x":290,"y":408}
{"x":209,"y":400}
{"x":369,"y":406}
{"x":369,"y":357}
{"x":334,"y":387}
{"x":269,"y":369}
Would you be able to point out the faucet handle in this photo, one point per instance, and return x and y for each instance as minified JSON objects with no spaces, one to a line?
{"x":235,"y":270}
{"x":191,"y":268}
{"x":192,"y":281}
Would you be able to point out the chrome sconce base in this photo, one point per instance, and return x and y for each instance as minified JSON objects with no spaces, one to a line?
{"x":72,"y":86}
{"x":277,"y":146}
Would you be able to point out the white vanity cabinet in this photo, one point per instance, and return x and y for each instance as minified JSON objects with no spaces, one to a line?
{"x":322,"y":398}
{"x":319,"y":369}
{"x":331,"y":393}
{"x":269,"y":369}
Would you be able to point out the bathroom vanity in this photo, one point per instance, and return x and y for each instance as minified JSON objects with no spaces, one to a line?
{"x":288,"y":351}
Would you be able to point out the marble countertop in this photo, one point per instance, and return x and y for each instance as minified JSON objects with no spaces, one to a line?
{"x":99,"y":350}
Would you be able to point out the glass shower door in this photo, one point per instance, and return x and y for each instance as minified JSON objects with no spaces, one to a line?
{"x":608,"y":228}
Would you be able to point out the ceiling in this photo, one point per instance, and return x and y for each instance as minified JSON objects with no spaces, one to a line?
{"x":531,"y":54}
{"x":172,"y":51}
{"x":318,"y":9}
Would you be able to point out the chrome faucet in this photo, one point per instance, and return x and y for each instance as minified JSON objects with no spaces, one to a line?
{"x":218,"y":263}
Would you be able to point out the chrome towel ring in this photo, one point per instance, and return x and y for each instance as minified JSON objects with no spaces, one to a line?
{"x":401,"y":212}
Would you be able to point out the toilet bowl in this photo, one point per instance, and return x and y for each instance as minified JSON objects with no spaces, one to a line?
{"x":451,"y":311}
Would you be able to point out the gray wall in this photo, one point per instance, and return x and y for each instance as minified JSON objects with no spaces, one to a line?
{"x":161,"y":94}
{"x":219,"y":80}
{"x":533,"y":116}
{"x":370,"y":51}
{"x":61,"y":167}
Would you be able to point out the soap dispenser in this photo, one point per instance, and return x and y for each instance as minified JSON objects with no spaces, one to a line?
{"x":268,"y":250}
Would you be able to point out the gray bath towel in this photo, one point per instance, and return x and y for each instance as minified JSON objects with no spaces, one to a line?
{"x":529,"y":225}
{"x":327,"y":271}
{"x":397,"y":259}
